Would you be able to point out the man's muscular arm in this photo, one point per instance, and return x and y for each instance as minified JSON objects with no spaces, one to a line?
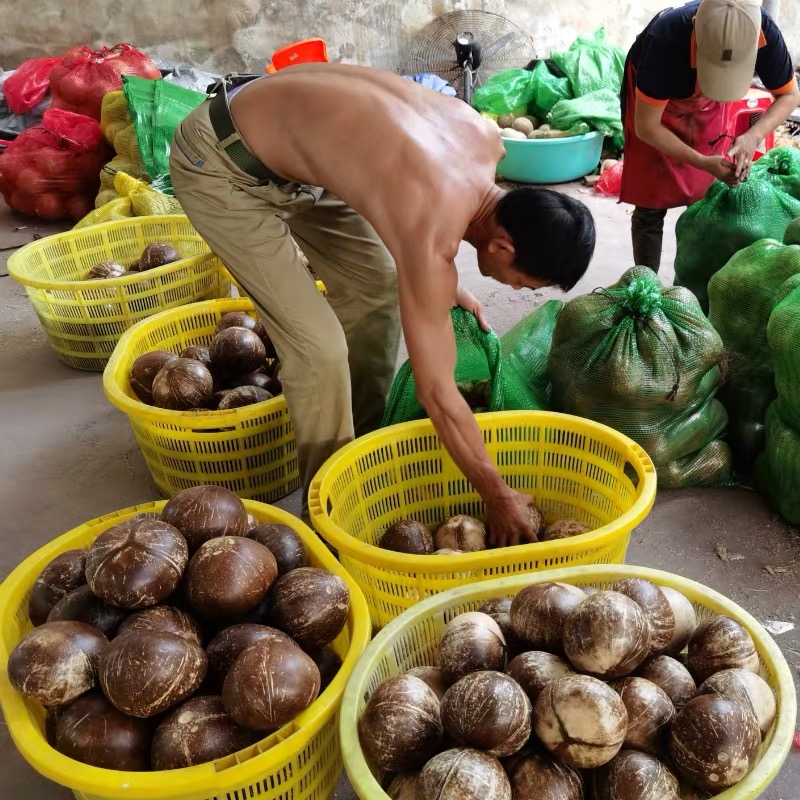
{"x":427,"y":286}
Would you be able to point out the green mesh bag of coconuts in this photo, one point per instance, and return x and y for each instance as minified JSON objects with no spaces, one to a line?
{"x":508,"y":374}
{"x":741,"y":298}
{"x":643,"y":359}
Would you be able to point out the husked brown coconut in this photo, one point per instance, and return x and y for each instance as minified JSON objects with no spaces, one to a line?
{"x":433,"y":677}
{"x":64,"y":574}
{"x":714,"y":742}
{"x":538,"y":614}
{"x":57,"y":662}
{"x":199,"y":353}
{"x":206,"y":512}
{"x":463,"y":533}
{"x":196,"y":732}
{"x":685,"y":620}
{"x":183,"y":384}
{"x":157,"y":254}
{"x":650,"y":713}
{"x":632,"y":775}
{"x":721,"y":643}
{"x":311,"y":605}
{"x":464,"y":774}
{"x":471,"y":642}
{"x":401,"y":727}
{"x":670,"y":675}
{"x":137,"y":563}
{"x":499,"y":609}
{"x":236,"y":319}
{"x":237,"y":351}
{"x":284,"y":543}
{"x":581,"y":720}
{"x":92,"y":731}
{"x":144,"y":370}
{"x":488,"y":711}
{"x":536,"y":775}
{"x":657,"y":610}
{"x":564,"y":529}
{"x":607,"y":635}
{"x":146,"y":672}
{"x":164,"y":619}
{"x":535,"y":669}
{"x":747,"y":688}
{"x":408,"y":536}
{"x":404,"y":787}
{"x":83,"y":605}
{"x":269,"y":684}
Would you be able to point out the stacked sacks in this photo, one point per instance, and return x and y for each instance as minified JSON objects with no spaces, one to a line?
{"x":741,"y":298}
{"x":643,"y":359}
{"x":727,"y":220}
{"x":778,"y":468}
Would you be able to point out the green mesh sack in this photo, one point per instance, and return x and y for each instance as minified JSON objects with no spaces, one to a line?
{"x":591,"y":64}
{"x":741,"y":298}
{"x":157,"y":108}
{"x":525,"y":349}
{"x":506,"y":92}
{"x":783,"y":332}
{"x":643,"y":359}
{"x":792,"y":235}
{"x":778,"y":467}
{"x":710,"y":232}
{"x":548,"y":89}
{"x":477,"y":365}
{"x":781,"y":167}
{"x":600,"y":110}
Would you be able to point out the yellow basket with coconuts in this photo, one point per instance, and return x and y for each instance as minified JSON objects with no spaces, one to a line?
{"x":84,"y":319}
{"x":573,"y":467}
{"x":412,"y":640}
{"x":301,"y":761}
{"x":250,"y":450}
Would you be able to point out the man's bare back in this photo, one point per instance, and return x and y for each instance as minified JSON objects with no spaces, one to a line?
{"x":374,"y":139}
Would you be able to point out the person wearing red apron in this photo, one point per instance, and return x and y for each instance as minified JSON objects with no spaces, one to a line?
{"x":682,"y":75}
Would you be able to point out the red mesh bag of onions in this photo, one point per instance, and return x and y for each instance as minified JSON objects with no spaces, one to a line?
{"x":85,"y":76}
{"x":52,"y":170}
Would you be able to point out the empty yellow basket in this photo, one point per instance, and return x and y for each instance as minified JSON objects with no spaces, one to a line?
{"x":84,"y":319}
{"x":573,"y":467}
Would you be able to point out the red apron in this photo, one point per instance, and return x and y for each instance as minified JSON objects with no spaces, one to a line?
{"x":651,"y":179}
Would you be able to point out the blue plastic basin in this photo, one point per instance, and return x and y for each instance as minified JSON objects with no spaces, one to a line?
{"x":551,"y":160}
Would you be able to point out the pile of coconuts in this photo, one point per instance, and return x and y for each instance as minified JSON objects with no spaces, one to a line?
{"x":239,"y":368}
{"x":465,"y":534}
{"x":180,"y":638}
{"x":567,"y":692}
{"x":156,"y":254}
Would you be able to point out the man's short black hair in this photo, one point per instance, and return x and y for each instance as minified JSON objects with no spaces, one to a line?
{"x":553,"y":234}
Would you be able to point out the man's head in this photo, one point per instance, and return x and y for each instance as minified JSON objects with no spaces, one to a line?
{"x":727,"y":34}
{"x":538,"y":238}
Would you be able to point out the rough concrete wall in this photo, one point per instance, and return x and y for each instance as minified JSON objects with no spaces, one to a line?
{"x":238,"y":35}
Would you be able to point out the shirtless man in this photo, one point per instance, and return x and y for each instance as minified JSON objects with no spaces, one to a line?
{"x":407,"y":174}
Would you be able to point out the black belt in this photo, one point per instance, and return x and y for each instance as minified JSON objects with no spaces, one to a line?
{"x":222,"y":122}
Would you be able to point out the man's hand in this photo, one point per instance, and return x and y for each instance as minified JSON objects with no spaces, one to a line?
{"x":741,"y":153}
{"x":466,"y":300}
{"x":721,"y":169}
{"x":509,"y":520}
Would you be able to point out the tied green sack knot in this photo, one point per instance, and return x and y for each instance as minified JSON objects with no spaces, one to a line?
{"x":642,"y":296}
{"x":783,"y":165}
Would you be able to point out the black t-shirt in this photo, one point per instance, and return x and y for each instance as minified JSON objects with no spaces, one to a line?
{"x":662,"y":56}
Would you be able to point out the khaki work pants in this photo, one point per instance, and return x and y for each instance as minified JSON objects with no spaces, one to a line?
{"x":338,"y":354}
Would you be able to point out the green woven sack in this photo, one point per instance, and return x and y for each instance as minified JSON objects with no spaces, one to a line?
{"x":492,"y":374}
{"x":643,"y":359}
{"x":725,"y":221}
{"x":783,"y":332}
{"x":741,"y":298}
{"x":778,"y":467}
{"x":781,"y":168}
{"x":157,"y":108}
{"x":792,"y":235}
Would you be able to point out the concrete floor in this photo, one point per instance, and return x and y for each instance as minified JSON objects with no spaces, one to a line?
{"x":68,"y":456}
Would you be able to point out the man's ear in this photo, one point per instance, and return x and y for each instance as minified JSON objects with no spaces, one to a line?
{"x":502,"y":245}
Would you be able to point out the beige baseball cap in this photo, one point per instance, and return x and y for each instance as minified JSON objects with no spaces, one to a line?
{"x":728,"y":33}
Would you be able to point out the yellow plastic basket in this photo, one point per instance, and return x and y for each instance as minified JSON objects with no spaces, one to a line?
{"x":411,"y":641}
{"x":83,"y":319}
{"x":301,"y":761}
{"x":575,"y":468}
{"x":250,"y":450}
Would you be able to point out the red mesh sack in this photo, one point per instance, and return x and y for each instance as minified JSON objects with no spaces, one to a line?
{"x":610,"y":182}
{"x":53,"y":170}
{"x":85,"y":76}
{"x":27,"y":86}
